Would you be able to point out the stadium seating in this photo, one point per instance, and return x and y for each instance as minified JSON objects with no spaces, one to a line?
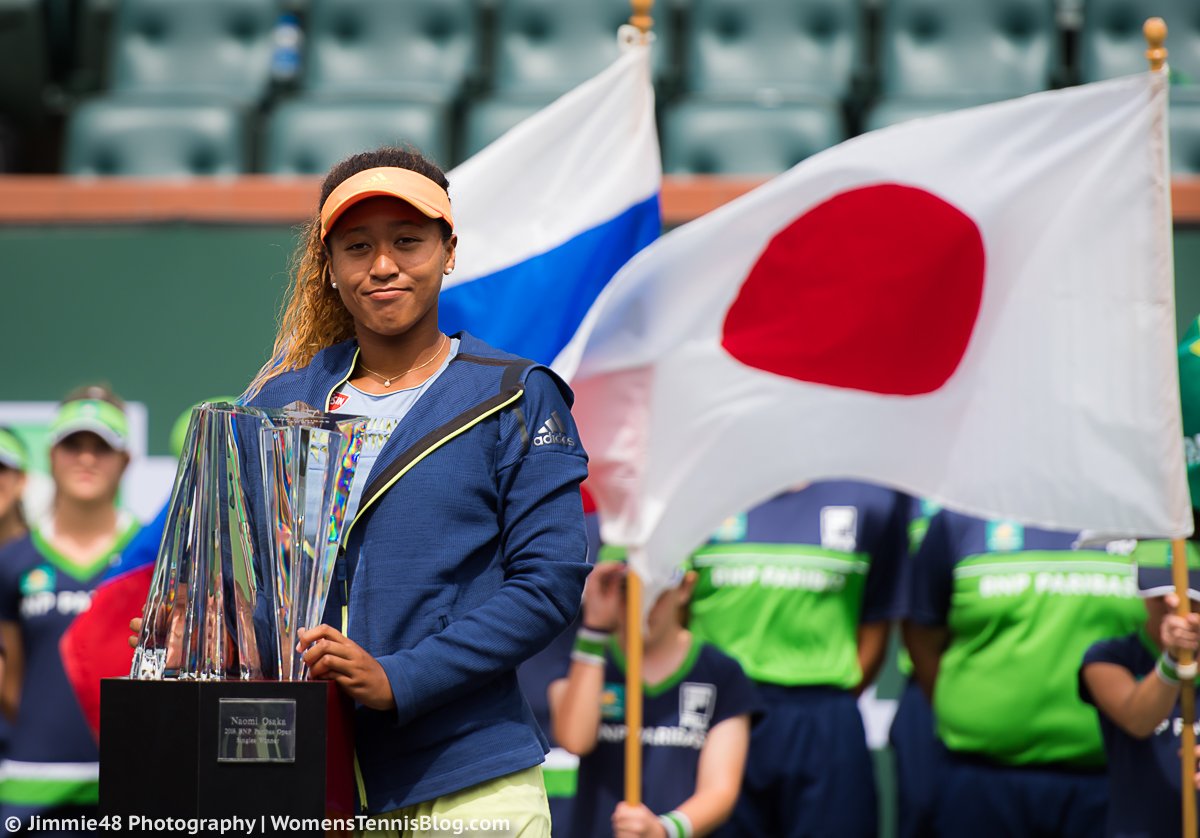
{"x":410,"y":48}
{"x":546,"y":47}
{"x":306,"y":137}
{"x":746,"y":138}
{"x":968,"y":48}
{"x":449,"y":76}
{"x":148,"y":138}
{"x":193,"y":47}
{"x":1111,"y":42}
{"x":941,"y":55}
{"x":487,"y":120}
{"x":542,"y":48}
{"x":183,"y":78}
{"x":773,"y":48}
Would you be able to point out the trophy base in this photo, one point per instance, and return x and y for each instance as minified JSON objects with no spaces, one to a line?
{"x":279,"y":754}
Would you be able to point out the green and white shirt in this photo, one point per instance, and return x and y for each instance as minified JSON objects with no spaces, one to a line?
{"x":1022,"y":605}
{"x":52,"y":759}
{"x":784,"y":587}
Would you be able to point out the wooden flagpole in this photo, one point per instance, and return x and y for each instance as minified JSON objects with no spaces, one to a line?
{"x":633,"y":687}
{"x":1155,"y":30}
{"x":1187,"y":694}
{"x":640,"y":18}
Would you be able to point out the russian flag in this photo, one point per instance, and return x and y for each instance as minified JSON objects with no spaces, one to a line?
{"x":549,"y":212}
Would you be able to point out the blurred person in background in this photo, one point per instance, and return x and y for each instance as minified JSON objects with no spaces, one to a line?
{"x":561,"y":768}
{"x":919,"y":755}
{"x":998,"y":616}
{"x":1134,"y":682}
{"x":46,"y":580}
{"x":801,"y":591}
{"x":697,"y":706}
{"x":14,"y":461}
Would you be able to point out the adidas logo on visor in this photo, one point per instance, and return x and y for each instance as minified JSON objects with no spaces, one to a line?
{"x":553,"y":432}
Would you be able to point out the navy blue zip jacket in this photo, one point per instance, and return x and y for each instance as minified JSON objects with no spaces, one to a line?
{"x":468,"y":555}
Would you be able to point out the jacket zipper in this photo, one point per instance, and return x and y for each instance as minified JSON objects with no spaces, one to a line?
{"x":358,"y":777}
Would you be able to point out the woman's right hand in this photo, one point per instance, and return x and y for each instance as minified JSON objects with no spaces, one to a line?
{"x":135,"y":626}
{"x":603,"y":596}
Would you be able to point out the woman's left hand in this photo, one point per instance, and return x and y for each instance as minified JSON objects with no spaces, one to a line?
{"x":331,"y":656}
{"x":636,"y":822}
{"x":1179,"y":633}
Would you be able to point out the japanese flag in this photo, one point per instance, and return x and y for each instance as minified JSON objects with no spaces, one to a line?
{"x":976,"y":308}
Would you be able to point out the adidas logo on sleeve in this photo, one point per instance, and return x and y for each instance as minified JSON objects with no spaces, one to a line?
{"x":553,"y":432}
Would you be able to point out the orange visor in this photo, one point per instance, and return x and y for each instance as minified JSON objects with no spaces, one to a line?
{"x":391,"y":181}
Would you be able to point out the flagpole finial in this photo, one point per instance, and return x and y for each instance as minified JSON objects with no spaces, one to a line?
{"x":641,"y":15}
{"x":1155,"y":30}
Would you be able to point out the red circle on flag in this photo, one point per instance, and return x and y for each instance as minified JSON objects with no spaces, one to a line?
{"x":875,"y":289}
{"x":589,"y":503}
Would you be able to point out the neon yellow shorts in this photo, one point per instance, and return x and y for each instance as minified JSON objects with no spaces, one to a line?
{"x":512,"y":806}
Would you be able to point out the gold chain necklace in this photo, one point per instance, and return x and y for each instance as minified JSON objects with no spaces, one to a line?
{"x":387,"y":380}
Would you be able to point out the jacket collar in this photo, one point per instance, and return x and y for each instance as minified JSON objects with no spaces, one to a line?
{"x":332,"y":367}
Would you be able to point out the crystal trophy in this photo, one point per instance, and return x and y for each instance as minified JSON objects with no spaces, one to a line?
{"x":252,"y":534}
